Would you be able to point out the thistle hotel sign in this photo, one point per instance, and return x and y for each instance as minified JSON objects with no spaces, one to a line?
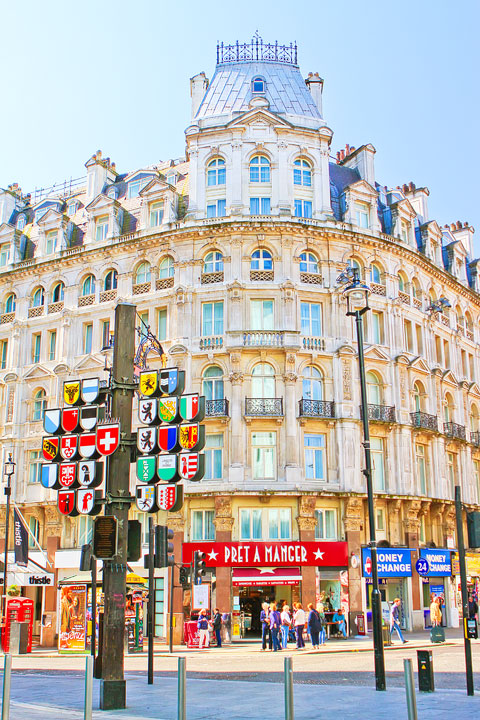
{"x":392,"y":562}
{"x":244,"y":554}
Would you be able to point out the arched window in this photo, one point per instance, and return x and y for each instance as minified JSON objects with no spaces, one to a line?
{"x":448,"y":408}
{"x":88,"y":286}
{"x":111,"y":279}
{"x":376,"y":274}
{"x":312,"y":385}
{"x":468,"y":321}
{"x":213,"y":262}
{"x":374,"y":389}
{"x":259,"y":169}
{"x":166,"y":268}
{"x":302,"y":173}
{"x":258,"y":84}
{"x":474,"y":418}
{"x":21,"y":222}
{"x":261,"y":260}
{"x":213,"y":383}
{"x":418,"y":397}
{"x":10,"y":303}
{"x":402,"y":282}
{"x":415,"y":288}
{"x":263,"y":381}
{"x":58,"y":292}
{"x":216,"y":172}
{"x":38,"y":297}
{"x":39,"y":404}
{"x":309,"y":263}
{"x":143,"y":273}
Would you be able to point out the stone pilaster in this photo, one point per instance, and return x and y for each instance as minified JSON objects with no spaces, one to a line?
{"x":223,"y":533}
{"x":176,"y":522}
{"x":306,"y":527}
{"x":353,"y":522}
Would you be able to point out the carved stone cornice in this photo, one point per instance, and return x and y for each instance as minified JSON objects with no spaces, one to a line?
{"x":223,"y":506}
{"x":306,"y":523}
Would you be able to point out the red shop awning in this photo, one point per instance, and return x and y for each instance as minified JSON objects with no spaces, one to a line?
{"x":266,"y":576}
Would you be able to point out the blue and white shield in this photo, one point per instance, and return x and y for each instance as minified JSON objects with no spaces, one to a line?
{"x":90,"y":389}
{"x":172,"y":381}
{"x":49,"y":476}
{"x":51,"y":421}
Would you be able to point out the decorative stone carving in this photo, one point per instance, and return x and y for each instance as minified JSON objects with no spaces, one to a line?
{"x":306,"y":523}
{"x":290,"y":359}
{"x":403,"y":382}
{"x":346,"y":379}
{"x":10,"y":403}
{"x":290,"y":377}
{"x":223,"y":506}
{"x":449,"y":519}
{"x":353,"y":514}
{"x":411,"y":520}
{"x":224,"y":524}
{"x":307,"y":505}
{"x":236,"y":378}
{"x":176,"y":522}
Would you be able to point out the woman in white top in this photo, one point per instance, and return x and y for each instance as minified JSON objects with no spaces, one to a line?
{"x":299,"y":622}
{"x":286,"y":619}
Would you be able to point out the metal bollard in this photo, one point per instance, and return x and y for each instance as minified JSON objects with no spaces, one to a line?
{"x":7,"y":676}
{"x":87,"y":714}
{"x":288,"y":678}
{"x":410,"y":690}
{"x":182,"y":689}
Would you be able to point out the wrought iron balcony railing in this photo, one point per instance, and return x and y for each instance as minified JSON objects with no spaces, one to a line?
{"x":316,"y":408}
{"x":454,"y":430}
{"x":264,"y":407}
{"x":216,"y":408}
{"x":475,"y":438}
{"x":424,"y":420}
{"x":257,"y":50}
{"x":381,"y":413}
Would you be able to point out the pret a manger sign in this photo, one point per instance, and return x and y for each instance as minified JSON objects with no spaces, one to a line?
{"x":266,"y":554}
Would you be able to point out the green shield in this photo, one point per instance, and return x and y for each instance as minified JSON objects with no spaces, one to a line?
{"x":146,"y":469}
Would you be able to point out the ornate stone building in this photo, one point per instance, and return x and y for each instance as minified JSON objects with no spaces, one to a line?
{"x":231,"y":255}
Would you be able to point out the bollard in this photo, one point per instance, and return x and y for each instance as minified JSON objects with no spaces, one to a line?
{"x":7,"y":676}
{"x":288,"y":677}
{"x":410,"y":690}
{"x":182,"y":689}
{"x":87,"y":714}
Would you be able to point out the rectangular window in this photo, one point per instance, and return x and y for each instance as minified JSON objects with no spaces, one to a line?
{"x":217,"y":209}
{"x":144,"y":323}
{"x":438,"y":350}
{"x":446,"y":352}
{"x":51,"y":242}
{"x":36,"y":347}
{"x":377,"y":327}
{"x":3,"y":354}
{"x":261,"y":314}
{"x":202,"y":525}
{"x":380,"y":519}
{"x":105,"y":334}
{"x":156,"y":214}
{"x":162,"y":324}
{"x":418,"y":332}
{"x":464,"y":363}
{"x":135,"y":187}
{"x":4,"y":254}
{"x":451,"y":472}
{"x":408,"y":336}
{"x":315,"y":457}
{"x":259,"y":206}
{"x":101,"y":228}
{"x":311,"y":319}
{"x":279,"y":524}
{"x":264,"y":451}
{"x":212,"y":319}
{"x":213,"y":457}
{"x":34,"y":466}
{"x":471,"y":364}
{"x":378,"y":464}
{"x":34,"y":526}
{"x":420,"y":456}
{"x":85,"y":530}
{"x":87,"y":338}
{"x":405,"y":231}
{"x":326,"y":527}
{"x":250,"y":524}
{"x":52,"y":344}
{"x":303,"y":208}
{"x":362,"y":215}
{"x":476,"y":479}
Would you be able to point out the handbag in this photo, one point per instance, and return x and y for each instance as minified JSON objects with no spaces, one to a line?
{"x":437,"y":634}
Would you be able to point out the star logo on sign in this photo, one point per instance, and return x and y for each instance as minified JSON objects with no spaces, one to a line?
{"x":319,"y":554}
{"x":212,"y":555}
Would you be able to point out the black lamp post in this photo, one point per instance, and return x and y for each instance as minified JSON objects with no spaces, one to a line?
{"x":8,"y":469}
{"x":356,"y":294}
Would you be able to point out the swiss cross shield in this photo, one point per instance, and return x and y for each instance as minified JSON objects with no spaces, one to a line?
{"x":49,"y":475}
{"x":168,"y":437}
{"x":87,"y":445}
{"x":108,"y":438}
{"x":66,"y":502}
{"x":67,"y":475}
{"x":191,"y":466}
{"x":88,"y":417}
{"x":166,"y":496}
{"x":167,"y":468}
{"x":147,"y":411}
{"x":90,"y":389}
{"x":86,"y":501}
{"x":146,"y":469}
{"x":168,"y":409}
{"x":71,"y":392}
{"x":68,"y":446}
{"x":172,"y":381}
{"x":50,"y":447}
{"x":147,"y":440}
{"x":192,"y":436}
{"x":192,"y":407}
{"x":148,"y":383}
{"x":89,"y":473}
{"x":70,"y":419}
{"x":146,"y":498}
{"x":51,"y":421}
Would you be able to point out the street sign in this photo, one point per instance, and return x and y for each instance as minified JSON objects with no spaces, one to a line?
{"x":105,"y":537}
{"x":422,"y":567}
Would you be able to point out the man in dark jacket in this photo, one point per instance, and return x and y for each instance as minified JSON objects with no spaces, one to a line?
{"x":217,"y":626}
{"x":472,"y":606}
{"x":275,"y":623}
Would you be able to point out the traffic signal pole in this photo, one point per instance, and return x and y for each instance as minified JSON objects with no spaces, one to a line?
{"x":151,"y":598}
{"x":463,"y":580}
{"x":113,"y":684}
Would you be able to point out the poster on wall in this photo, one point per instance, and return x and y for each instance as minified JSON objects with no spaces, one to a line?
{"x":72,"y":637}
{"x":201,"y":597}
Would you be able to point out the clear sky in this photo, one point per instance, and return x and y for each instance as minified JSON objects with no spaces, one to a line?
{"x":114,"y":74}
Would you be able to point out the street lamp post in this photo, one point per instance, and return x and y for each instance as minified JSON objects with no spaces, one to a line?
{"x":356,"y":294}
{"x":8,"y":469}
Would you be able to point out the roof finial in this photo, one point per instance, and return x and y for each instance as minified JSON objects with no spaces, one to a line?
{"x":257,"y":35}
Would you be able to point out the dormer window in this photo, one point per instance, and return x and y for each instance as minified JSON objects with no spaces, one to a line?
{"x":258,"y":85}
{"x":4,"y":254}
{"x":362,"y":215}
{"x":172,"y":178}
{"x":101,"y":228}
{"x":21,"y":222}
{"x":156,"y":214}
{"x":40,"y":213}
{"x":135,"y":187}
{"x":72,"y":208}
{"x":51,"y":242}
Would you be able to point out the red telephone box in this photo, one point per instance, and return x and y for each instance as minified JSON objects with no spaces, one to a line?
{"x":18,"y":610}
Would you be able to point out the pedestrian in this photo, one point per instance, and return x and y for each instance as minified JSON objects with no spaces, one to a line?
{"x":472,"y":606}
{"x":217,"y":626}
{"x":266,"y":635}
{"x":299,"y":622}
{"x":202,"y":625}
{"x":286,"y":621}
{"x":227,"y":626}
{"x":314,"y":625}
{"x":275,"y":622}
{"x":323,"y":634}
{"x":436,"y":612}
{"x":339,"y":618}
{"x":395,"y":619}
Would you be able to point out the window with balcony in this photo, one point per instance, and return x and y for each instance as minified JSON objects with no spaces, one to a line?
{"x":111,"y":280}
{"x":263,"y":381}
{"x":10,"y":303}
{"x":166,"y":268}
{"x":58,"y":293}
{"x":212,"y":319}
{"x":309,"y":263}
{"x":88,"y":286}
{"x":378,"y":464}
{"x":217,"y":208}
{"x":315,"y":456}
{"x":374,"y":389}
{"x":261,"y":260}
{"x":213,"y":383}
{"x":143,"y":273}
{"x":302,"y":173}
{"x":260,"y":206}
{"x":326,"y":527}
{"x":39,"y":405}
{"x":261,"y":314}
{"x":264,"y":445}
{"x":216,"y":172}
{"x":213,"y":262}
{"x":35,"y":460}
{"x":101,"y":228}
{"x":312,"y":384}
{"x":259,"y":169}
{"x":213,"y":457}
{"x":302,"y":208}
{"x":156,"y":214}
{"x":3,"y":354}
{"x":202,"y":525}
{"x":311,"y":319}
{"x":38,"y":298}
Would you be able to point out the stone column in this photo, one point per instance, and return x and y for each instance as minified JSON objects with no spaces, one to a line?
{"x":291,"y":429}
{"x":237,"y":466}
{"x":306,"y":528}
{"x":223,"y":533}
{"x":354,"y":524}
{"x":176,"y":522}
{"x":235,"y":181}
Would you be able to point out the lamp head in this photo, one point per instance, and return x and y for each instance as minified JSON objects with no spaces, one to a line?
{"x":9,"y":466}
{"x":357,"y":296}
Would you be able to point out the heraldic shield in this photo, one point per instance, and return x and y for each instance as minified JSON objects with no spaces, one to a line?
{"x":191,"y":466}
{"x":51,"y":421}
{"x":192,"y":407}
{"x":50,"y":448}
{"x":71,"y":392}
{"x":146,"y":467}
{"x":70,"y":419}
{"x":147,"y":498}
{"x":172,"y":381}
{"x":69,"y":447}
{"x":90,"y":390}
{"x":49,"y":476}
{"x":147,"y":440}
{"x":89,"y":473}
{"x":167,"y":468}
{"x":87,"y":445}
{"x":88,"y":417}
{"x":88,"y":501}
{"x":108,"y":438}
{"x":168,"y":438}
{"x":66,"y":502}
{"x":191,"y":436}
{"x":148,"y":383}
{"x":168,"y":409}
{"x":67,"y":475}
{"x":147,"y":411}
{"x":170,"y":497}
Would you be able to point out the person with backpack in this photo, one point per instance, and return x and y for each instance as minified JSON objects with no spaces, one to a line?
{"x":314,"y":625}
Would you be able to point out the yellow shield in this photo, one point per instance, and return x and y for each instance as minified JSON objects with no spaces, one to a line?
{"x":148,"y":383}
{"x":71,"y":392}
{"x":188,"y":436}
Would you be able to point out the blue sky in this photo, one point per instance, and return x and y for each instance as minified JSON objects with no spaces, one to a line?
{"x":114,"y":75}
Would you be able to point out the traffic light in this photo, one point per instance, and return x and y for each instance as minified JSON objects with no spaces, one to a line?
{"x":185,"y":576}
{"x":163,"y":548}
{"x":198,"y":566}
